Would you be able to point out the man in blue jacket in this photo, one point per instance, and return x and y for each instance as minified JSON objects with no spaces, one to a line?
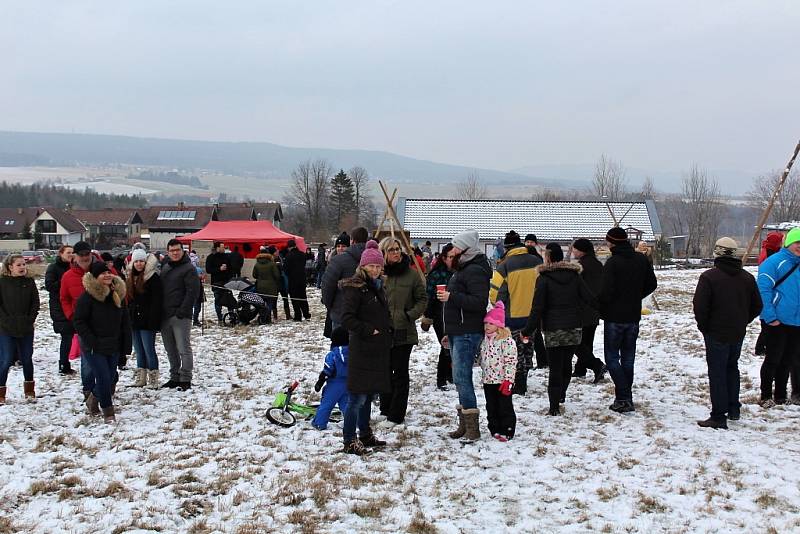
{"x":779,"y":285}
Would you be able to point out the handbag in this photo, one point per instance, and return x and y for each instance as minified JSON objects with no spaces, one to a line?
{"x":75,"y":348}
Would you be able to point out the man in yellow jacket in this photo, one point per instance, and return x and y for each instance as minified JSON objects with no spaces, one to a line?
{"x":513,"y":283}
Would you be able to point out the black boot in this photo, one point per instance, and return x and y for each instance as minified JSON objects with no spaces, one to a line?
{"x":554,"y":395}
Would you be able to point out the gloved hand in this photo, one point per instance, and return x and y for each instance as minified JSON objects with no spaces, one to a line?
{"x":505,"y":388}
{"x":320,"y":382}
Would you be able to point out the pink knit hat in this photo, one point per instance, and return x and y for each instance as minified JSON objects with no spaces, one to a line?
{"x":371,"y":255}
{"x":497,"y":315}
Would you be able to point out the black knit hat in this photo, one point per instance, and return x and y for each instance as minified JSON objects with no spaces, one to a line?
{"x":512,"y":239}
{"x":616,"y":235}
{"x":98,"y":268}
{"x":531,"y":237}
{"x":107,"y":256}
{"x":81,"y":247}
{"x":584,"y":245}
{"x":343,"y":239}
{"x":340,"y":337}
{"x":556,"y":253}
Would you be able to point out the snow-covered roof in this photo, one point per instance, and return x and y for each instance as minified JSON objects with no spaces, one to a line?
{"x":550,"y":221}
{"x":786,"y":225}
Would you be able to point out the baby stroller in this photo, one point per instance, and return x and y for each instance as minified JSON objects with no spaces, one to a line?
{"x":247,"y":307}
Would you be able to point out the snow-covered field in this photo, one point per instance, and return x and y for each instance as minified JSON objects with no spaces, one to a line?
{"x":208,"y":460}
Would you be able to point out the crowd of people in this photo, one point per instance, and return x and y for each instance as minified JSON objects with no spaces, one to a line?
{"x":533,"y":302}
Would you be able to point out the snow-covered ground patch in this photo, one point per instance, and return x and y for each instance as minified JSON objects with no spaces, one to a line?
{"x":208,"y":461}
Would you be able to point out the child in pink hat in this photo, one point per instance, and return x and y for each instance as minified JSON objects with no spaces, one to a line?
{"x":498,"y":359}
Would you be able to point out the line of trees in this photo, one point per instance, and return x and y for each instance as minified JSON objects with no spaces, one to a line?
{"x":45,"y":194}
{"x":320,"y":204}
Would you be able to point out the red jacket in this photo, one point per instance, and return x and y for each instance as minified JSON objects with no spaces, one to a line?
{"x":71,"y":289}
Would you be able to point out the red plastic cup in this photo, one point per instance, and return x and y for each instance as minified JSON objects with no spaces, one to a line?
{"x":441,"y":287}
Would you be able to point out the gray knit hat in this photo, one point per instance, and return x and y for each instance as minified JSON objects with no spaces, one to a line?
{"x":466,"y":239}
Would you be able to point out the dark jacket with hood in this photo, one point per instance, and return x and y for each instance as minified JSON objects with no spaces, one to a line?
{"x":267,"y":275}
{"x":592,"y":274}
{"x":726,"y":300}
{"x":464,"y":311}
{"x":101,"y":317}
{"x":19,"y":305}
{"x":181,"y":288}
{"x":365,"y":309}
{"x":52,"y":283}
{"x":145,"y":308}
{"x":341,"y":266}
{"x":628,"y":277}
{"x":407,"y":299}
{"x":559,"y":299}
{"x":438,"y":275}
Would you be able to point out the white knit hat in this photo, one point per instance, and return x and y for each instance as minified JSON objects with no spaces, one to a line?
{"x":138,"y":255}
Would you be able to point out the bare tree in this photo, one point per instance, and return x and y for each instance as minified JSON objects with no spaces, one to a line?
{"x":309,"y":190}
{"x":648,"y":191}
{"x":703,"y":210}
{"x":787,"y":204}
{"x":360,"y":178}
{"x":471,"y":188}
{"x":609,"y":179}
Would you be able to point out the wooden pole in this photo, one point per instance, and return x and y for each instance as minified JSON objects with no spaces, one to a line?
{"x":385,"y":215}
{"x":403,"y":237}
{"x":765,"y":215}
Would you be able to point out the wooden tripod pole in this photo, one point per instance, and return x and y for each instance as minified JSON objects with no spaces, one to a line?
{"x":385,"y":214}
{"x":406,"y":242}
{"x":765,"y":215}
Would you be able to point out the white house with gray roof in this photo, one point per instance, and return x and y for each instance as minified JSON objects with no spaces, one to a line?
{"x":437,"y":220}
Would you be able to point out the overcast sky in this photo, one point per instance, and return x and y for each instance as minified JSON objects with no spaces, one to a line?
{"x":657,"y":85}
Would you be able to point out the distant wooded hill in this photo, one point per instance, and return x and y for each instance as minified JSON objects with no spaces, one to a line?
{"x":263,"y":159}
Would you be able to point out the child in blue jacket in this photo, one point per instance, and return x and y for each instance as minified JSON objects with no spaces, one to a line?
{"x":334,"y":373}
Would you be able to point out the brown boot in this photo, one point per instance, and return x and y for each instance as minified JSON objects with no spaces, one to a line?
{"x":92,"y":404}
{"x":462,"y":429}
{"x":28,"y":388}
{"x":108,"y":415}
{"x":473,"y":432}
{"x":2,"y":395}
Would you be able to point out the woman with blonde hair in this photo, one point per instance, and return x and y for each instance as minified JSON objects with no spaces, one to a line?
{"x":19,"y":306}
{"x":408,"y":299}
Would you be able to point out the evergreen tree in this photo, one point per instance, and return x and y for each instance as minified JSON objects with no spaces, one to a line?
{"x":342,"y":199}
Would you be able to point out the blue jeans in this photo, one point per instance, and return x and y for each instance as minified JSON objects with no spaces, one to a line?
{"x":87,"y":377}
{"x":22,"y":347}
{"x":357,"y":415}
{"x":723,"y":377}
{"x":144,"y":343}
{"x":463,"y":349}
{"x":104,"y":369}
{"x":620,"y":351}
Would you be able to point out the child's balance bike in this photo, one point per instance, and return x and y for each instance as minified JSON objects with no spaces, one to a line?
{"x":282,"y":407}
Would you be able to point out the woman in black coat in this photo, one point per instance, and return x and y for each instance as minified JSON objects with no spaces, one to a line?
{"x":102,"y":322}
{"x":61,"y":325}
{"x":592,"y":274}
{"x":365,"y":315}
{"x":558,"y":303}
{"x":19,"y":306}
{"x":145,"y":295}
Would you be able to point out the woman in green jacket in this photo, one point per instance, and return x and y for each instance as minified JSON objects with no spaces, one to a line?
{"x":19,"y":306}
{"x":268,"y":280}
{"x":405,"y":291}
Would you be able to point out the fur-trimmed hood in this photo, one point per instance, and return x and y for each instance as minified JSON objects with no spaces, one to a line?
{"x":558,"y":266}
{"x":263,"y":257}
{"x":150,"y":267}
{"x":100,"y":292}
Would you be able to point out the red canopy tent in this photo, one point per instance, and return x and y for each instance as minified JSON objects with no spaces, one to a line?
{"x":250,"y":235}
